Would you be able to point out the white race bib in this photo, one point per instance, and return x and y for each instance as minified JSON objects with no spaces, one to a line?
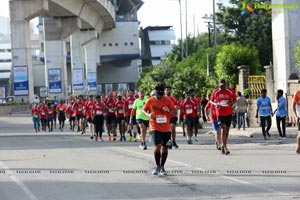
{"x":50,"y":112}
{"x":73,"y":115}
{"x":110,"y":110}
{"x":120,"y":111}
{"x":224,"y":103}
{"x":43,"y":113}
{"x":98,"y":112}
{"x":161,"y":119}
{"x":61,"y":109}
{"x":79,"y":109}
{"x":129,"y":106}
{"x":189,"y":111}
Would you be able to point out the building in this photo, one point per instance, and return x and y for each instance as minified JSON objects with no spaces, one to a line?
{"x":156,"y":42}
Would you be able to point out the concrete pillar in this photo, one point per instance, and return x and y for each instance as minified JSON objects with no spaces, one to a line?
{"x":285,"y":26}
{"x":77,"y":40}
{"x":244,"y":73}
{"x":55,"y":54}
{"x":20,"y":36}
{"x":91,"y":60}
{"x":270,"y":82}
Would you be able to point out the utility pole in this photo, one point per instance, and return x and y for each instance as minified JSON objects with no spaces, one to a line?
{"x":186,"y":31}
{"x":180,"y":13}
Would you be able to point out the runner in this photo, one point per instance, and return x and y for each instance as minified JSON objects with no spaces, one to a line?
{"x":197,"y":112}
{"x":61,"y":110}
{"x":55,"y":102}
{"x":43,"y":115}
{"x":120,"y":115}
{"x":50,"y":116}
{"x":296,"y":109}
{"x":223,"y":98}
{"x":128,"y":108}
{"x":89,"y":105}
{"x":71,"y":115}
{"x":80,"y":109}
{"x":35,"y":112}
{"x":210,"y":112}
{"x":187,"y":108}
{"x":141,"y":119}
{"x":110,"y":117}
{"x":182,"y":99}
{"x":160,"y":109}
{"x":98,"y":117}
{"x":174,"y":118}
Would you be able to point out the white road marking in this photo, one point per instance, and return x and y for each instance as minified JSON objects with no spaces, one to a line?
{"x":27,"y":191}
{"x":197,"y":168}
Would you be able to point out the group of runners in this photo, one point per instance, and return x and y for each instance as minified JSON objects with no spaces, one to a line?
{"x":135,"y":113}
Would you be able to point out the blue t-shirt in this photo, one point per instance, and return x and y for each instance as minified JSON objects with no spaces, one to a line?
{"x":281,"y":107}
{"x":264,"y":106}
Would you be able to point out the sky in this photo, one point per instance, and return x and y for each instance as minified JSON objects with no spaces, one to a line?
{"x":165,"y":13}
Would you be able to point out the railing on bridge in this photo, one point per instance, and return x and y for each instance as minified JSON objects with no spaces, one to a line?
{"x":255,"y":85}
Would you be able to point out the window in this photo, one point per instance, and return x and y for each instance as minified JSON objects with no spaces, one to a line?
{"x":110,"y":44}
{"x":125,"y":43}
{"x":104,"y":45}
{"x":131,"y":43}
{"x":116,"y":44}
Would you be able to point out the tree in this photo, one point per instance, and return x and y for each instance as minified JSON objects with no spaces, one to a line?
{"x":233,"y":55}
{"x":297,"y":55}
{"x":253,"y":29}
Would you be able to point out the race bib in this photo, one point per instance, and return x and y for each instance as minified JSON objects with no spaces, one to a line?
{"x":189,"y":111}
{"x":61,"y":109}
{"x":110,"y":110}
{"x":73,"y":115}
{"x":129,"y":106}
{"x":43,"y":113}
{"x":120,"y":111}
{"x":50,"y":112}
{"x":35,"y":115}
{"x":224,"y":103}
{"x":79,"y":109}
{"x":161,"y":119}
{"x":98,"y":112}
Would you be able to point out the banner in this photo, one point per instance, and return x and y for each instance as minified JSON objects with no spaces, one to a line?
{"x":21,"y":80}
{"x":2,"y":92}
{"x":77,"y":79}
{"x":92,"y":81}
{"x":54,"y":77}
{"x":43,"y":92}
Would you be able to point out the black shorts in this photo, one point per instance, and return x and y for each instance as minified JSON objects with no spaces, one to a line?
{"x":89,"y":120}
{"x":61,"y":117}
{"x":189,"y":121}
{"x":78,"y":117}
{"x":128,"y":120}
{"x":110,"y":119}
{"x":120,"y":119}
{"x":173,"y":120}
{"x":72,"y":118}
{"x":161,"y":137}
{"x":225,"y":120}
{"x":141,"y":121}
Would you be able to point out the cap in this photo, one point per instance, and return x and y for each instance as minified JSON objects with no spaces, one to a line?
{"x":153,"y":92}
{"x":222,"y":82}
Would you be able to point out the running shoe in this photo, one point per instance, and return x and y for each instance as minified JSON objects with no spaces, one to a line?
{"x":156,"y":170}
{"x":96,"y":138}
{"x":130,"y":139}
{"x":268,"y":134}
{"x":124,"y":138}
{"x":141,"y":145}
{"x":108,"y":138}
{"x":145,"y":146}
{"x":163,"y":171}
{"x":196,"y":139}
{"x":121,"y":138}
{"x":135,"y":139}
{"x":218,"y":146}
{"x":91,"y":137}
{"x":189,"y":141}
{"x":114,"y":138}
{"x":174,"y":144}
{"x":227,"y":152}
{"x":101,"y":140}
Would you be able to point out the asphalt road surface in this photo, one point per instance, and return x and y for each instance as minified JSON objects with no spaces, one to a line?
{"x":67,"y":165}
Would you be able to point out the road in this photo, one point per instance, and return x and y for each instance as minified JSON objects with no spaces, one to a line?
{"x":67,"y":165}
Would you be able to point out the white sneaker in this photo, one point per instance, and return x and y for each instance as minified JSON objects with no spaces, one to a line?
{"x":279,"y":138}
{"x":196,"y":139}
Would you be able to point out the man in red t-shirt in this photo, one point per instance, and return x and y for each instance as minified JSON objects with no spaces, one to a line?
{"x":89,"y":104}
{"x":128,"y":108}
{"x":197,"y":113}
{"x":223,"y":98}
{"x":43,"y":115}
{"x":35,"y":112}
{"x":120,"y":116}
{"x":50,"y":116}
{"x":80,"y":111}
{"x":110,"y":117}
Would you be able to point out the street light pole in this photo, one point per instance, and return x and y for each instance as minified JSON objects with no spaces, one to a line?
{"x":182,"y":56}
{"x":214,"y":21}
{"x":186,"y":31}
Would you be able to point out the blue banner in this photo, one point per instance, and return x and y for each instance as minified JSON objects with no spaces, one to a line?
{"x":92,"y":81}
{"x":21,"y":80}
{"x":77,"y":79}
{"x":54,"y":77}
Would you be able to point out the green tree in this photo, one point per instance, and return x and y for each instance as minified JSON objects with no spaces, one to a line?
{"x":253,"y":29}
{"x":297,"y":55}
{"x":233,"y":55}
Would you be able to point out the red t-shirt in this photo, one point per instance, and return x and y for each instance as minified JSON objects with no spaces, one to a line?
{"x":128,"y":105}
{"x":213,"y":112}
{"x":187,"y":108}
{"x":175,"y":102}
{"x":35,"y":112}
{"x":224,"y":98}
{"x":119,"y":105}
{"x":98,"y":109}
{"x":110,"y":106}
{"x":197,"y":101}
{"x":88,"y":108}
{"x":79,"y":107}
{"x":50,"y":112}
{"x":43,"y":112}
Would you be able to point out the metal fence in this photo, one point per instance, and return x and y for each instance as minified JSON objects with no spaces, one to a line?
{"x":255,"y":85}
